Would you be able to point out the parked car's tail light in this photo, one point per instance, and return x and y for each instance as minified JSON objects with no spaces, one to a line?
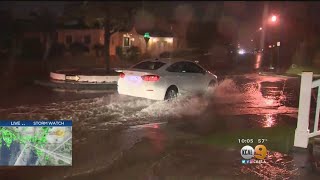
{"x":150,"y":77}
{"x":122,"y":75}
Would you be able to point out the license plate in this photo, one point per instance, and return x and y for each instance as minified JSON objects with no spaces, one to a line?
{"x":134,"y":78}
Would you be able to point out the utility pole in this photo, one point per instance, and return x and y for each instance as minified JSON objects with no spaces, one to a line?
{"x":264,"y":29}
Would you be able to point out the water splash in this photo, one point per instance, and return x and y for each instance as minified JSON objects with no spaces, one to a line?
{"x":226,"y":98}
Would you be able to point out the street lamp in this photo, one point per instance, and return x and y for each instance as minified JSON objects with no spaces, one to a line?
{"x":275,"y":20}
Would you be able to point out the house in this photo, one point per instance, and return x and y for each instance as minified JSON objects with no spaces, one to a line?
{"x":159,"y":42}
{"x":125,"y":40}
{"x":88,"y":37}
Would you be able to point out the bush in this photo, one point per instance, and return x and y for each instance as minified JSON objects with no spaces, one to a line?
{"x":98,"y":46}
{"x":78,"y":48}
{"x":57,"y":50}
{"x":119,"y":52}
{"x":146,"y":56}
{"x":99,"y":49}
{"x":133,"y":53}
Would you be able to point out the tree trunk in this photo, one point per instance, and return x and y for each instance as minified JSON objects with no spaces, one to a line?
{"x":12,"y":56}
{"x":47,"y":45}
{"x":107,"y":35}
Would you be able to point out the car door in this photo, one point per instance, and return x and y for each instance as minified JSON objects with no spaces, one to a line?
{"x":177,"y":75}
{"x":197,"y":76}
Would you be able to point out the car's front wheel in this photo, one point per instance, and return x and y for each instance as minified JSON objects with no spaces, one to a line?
{"x":171,"y":93}
{"x":212,"y":84}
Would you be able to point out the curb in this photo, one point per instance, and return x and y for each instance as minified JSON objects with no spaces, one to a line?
{"x":279,"y":75}
{"x":286,"y":75}
{"x":83,"y":76}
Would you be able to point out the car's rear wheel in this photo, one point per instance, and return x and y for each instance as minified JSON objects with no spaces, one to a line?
{"x":171,"y":93}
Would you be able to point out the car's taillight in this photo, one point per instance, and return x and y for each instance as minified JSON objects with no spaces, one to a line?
{"x":150,"y":77}
{"x":122,"y":75}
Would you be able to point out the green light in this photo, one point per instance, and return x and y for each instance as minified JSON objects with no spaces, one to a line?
{"x":146,"y":35}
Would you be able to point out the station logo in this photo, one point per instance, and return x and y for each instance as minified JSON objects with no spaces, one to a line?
{"x":247,"y":152}
{"x":259,"y":153}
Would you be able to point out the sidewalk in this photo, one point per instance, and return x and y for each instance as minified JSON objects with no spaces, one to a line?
{"x":285,"y":75}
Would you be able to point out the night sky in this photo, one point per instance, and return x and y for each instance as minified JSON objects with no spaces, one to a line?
{"x":247,"y":15}
{"x":21,"y":9}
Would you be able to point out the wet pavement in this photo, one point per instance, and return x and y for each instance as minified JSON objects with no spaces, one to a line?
{"x":120,"y":137}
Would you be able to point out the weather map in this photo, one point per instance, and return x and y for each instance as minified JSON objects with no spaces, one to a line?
{"x":36,"y":143}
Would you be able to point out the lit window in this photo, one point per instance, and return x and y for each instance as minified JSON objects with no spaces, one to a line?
{"x":126,"y":42}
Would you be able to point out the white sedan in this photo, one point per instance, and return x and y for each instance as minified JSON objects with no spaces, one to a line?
{"x":162,"y":79}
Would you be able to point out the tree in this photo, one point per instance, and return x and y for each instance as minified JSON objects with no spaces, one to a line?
{"x":112,"y":16}
{"x":45,"y":22}
{"x":10,"y":35}
{"x":6,"y":21}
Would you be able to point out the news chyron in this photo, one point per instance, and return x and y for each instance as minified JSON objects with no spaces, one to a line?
{"x":36,"y":143}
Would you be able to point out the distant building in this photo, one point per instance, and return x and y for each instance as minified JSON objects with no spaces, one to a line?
{"x":88,"y":37}
{"x":159,"y":42}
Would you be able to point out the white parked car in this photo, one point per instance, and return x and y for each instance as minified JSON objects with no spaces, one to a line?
{"x":162,"y":79}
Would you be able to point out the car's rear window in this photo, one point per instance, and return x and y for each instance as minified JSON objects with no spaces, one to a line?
{"x":149,"y":65}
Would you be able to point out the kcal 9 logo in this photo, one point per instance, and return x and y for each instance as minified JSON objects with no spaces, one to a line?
{"x":259,"y":152}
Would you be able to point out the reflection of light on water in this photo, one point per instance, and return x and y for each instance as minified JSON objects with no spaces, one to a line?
{"x":269,"y":121}
{"x":269,"y":102}
{"x":278,"y":166}
{"x":258,"y":61}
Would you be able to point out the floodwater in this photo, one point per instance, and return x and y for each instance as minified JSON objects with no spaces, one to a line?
{"x":117,"y":137}
{"x":240,"y":95}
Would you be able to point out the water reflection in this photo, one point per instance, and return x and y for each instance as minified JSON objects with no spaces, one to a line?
{"x":156,"y":136}
{"x":269,"y":102}
{"x":268,"y":96}
{"x":269,"y":120}
{"x":278,"y":166}
{"x":258,"y":61}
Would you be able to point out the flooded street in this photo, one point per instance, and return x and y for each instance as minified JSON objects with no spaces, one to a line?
{"x":120,"y":137}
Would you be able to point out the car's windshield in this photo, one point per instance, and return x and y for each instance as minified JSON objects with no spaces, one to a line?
{"x":149,"y":65}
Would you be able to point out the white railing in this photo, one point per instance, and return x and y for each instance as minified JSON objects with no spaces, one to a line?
{"x":302,"y":133}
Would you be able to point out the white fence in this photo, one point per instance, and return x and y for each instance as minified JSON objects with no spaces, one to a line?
{"x":302,"y":133}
